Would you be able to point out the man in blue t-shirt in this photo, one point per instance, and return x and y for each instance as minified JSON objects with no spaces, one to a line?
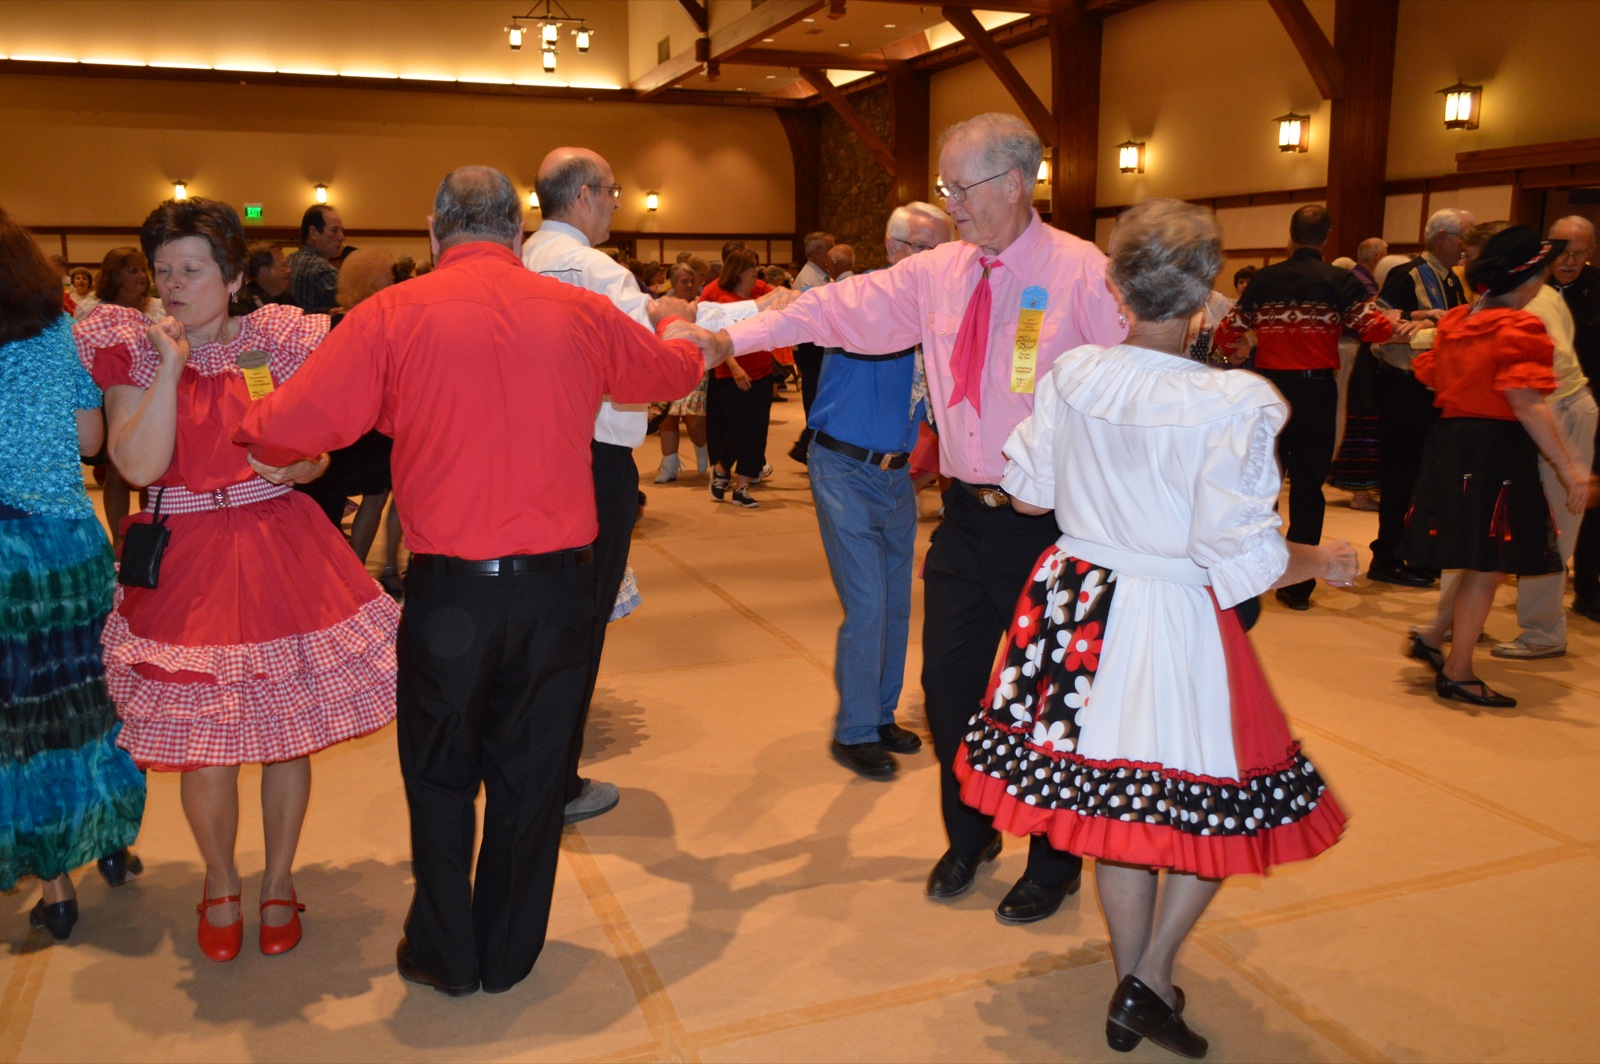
{"x":864,"y":424}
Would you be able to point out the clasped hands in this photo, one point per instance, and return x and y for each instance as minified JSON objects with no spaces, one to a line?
{"x":302,"y":472}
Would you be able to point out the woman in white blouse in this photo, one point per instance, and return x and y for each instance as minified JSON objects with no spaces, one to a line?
{"x":1128,"y":719}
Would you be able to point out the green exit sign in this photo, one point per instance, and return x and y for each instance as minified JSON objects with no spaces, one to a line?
{"x":253,"y":214}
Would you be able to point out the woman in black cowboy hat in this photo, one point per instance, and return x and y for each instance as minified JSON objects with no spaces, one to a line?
{"x":1478,"y":505}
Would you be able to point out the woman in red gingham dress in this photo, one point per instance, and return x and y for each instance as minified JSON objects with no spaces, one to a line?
{"x":265,"y":639}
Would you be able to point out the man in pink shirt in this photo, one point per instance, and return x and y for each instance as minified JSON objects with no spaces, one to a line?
{"x":1046,"y":295}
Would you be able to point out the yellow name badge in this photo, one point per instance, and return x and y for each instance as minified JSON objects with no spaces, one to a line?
{"x":1025,"y":355}
{"x":257,"y":377}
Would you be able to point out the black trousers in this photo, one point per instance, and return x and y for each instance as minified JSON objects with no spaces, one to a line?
{"x":616,"y":503}
{"x":978,"y":563}
{"x":808,"y":358}
{"x":491,"y":681}
{"x":736,"y":424}
{"x":1586,"y":552}
{"x":1305,"y":450}
{"x":1406,"y":415}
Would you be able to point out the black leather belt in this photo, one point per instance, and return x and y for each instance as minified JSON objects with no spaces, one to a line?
{"x":991,"y":495}
{"x":1315,"y":374}
{"x":516,"y":563}
{"x":896,"y":460}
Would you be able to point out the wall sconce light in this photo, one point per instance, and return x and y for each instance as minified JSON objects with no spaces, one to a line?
{"x":1130,"y":157}
{"x":321,"y":193}
{"x":1461,"y":105}
{"x":584,"y":35}
{"x":652,"y":200}
{"x":533,"y":201}
{"x":1044,"y":171}
{"x":1294,"y":132}
{"x":549,"y":56}
{"x":180,"y":191}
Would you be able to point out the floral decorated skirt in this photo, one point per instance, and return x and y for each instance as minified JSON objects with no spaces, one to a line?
{"x":1129,"y":720}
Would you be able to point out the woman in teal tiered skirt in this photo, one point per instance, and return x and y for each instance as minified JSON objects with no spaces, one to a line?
{"x":68,"y":795}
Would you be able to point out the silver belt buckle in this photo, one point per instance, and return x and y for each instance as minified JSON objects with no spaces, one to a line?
{"x":219,"y":498}
{"x":993,"y":498}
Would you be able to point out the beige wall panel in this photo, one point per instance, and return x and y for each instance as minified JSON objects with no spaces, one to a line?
{"x":957,"y":94}
{"x":1199,"y":82}
{"x":648,"y":22}
{"x":1534,"y":59}
{"x":1402,"y":218}
{"x":1257,"y":227}
{"x":1486,"y":204}
{"x":105,"y":152}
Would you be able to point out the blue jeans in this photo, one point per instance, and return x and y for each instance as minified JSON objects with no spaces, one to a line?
{"x":868,"y":518}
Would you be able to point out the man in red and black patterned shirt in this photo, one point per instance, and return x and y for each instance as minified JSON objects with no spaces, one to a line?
{"x":1298,"y":308}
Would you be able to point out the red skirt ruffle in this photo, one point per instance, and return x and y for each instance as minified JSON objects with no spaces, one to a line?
{"x":266,"y":640}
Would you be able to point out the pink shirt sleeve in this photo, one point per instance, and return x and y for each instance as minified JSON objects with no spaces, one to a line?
{"x":875,"y":313}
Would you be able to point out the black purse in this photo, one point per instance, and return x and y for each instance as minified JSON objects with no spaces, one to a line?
{"x":142,"y":547}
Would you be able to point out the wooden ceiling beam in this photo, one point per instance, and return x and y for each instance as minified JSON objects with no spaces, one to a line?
{"x":1038,"y":115}
{"x":777,"y":57}
{"x":733,"y":38}
{"x":697,"y":12}
{"x":1025,"y":7}
{"x":1326,"y":68}
{"x":852,"y":118}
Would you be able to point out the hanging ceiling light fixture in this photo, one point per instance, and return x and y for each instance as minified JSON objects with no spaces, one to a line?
{"x":548,"y":18}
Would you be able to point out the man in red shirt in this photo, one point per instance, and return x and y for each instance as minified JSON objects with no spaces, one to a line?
{"x":488,"y":377}
{"x":1298,"y":309}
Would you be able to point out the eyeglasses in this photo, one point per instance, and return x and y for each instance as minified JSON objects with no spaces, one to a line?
{"x":958,"y":193}
{"x":615,"y":190}
{"x":1575,"y":254}
{"x":912,"y":244}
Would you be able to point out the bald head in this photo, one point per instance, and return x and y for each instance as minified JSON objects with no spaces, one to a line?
{"x":567,"y":177}
{"x":841,"y":260}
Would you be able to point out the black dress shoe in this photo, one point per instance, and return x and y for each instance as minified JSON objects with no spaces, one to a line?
{"x":897,"y":740}
{"x":1474,"y":691}
{"x":1137,"y":1008}
{"x":866,"y":759}
{"x":120,"y":867}
{"x":1403,"y":575}
{"x":1291,"y":600}
{"x":1031,"y":901}
{"x":1433,"y":657}
{"x":1123,"y":1040}
{"x":57,"y":917}
{"x":413,"y":974}
{"x":953,"y":875}
{"x":1590,"y":610}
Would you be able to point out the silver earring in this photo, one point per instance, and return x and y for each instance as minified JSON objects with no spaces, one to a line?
{"x":1122,"y":319}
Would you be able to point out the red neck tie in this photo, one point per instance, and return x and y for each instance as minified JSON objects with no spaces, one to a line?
{"x":972,"y":342}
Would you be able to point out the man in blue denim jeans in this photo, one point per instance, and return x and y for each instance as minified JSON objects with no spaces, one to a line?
{"x":864,"y":421}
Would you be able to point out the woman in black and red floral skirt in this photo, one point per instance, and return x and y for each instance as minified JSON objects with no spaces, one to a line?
{"x":1128,"y":719}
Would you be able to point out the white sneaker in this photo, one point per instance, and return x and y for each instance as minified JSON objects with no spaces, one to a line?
{"x":1528,"y":651}
{"x":669,"y":469}
{"x":765,"y":474}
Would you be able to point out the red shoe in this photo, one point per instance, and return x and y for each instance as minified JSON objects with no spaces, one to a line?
{"x":276,"y":940}
{"x":219,"y":943}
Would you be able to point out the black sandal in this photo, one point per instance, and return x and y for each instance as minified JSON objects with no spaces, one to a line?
{"x":1449,"y":688}
{"x":1432,"y":656}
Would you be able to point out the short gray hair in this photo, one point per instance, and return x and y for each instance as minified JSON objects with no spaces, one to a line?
{"x":816,"y":242}
{"x":1165,"y":254}
{"x":899,"y":226}
{"x":477,"y":201}
{"x":1371,"y":250}
{"x":678,"y":269}
{"x":1008,"y":142}
{"x":1573,"y":219}
{"x":559,"y":189}
{"x":1447,"y":218}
